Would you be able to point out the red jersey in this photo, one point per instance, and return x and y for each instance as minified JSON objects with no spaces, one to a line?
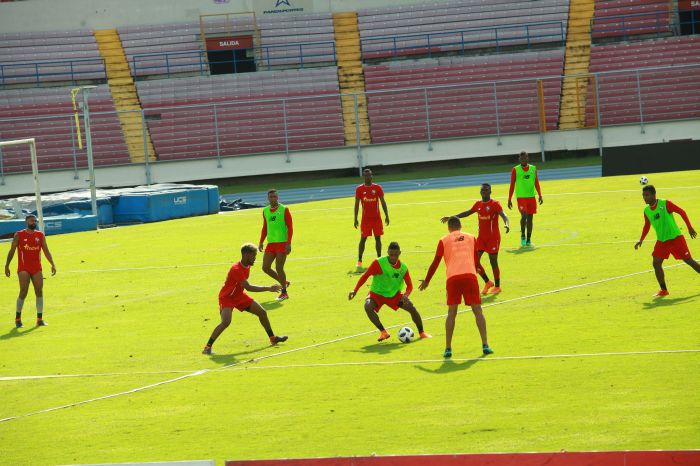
{"x":488,"y":213}
{"x":232,"y":287}
{"x":369,"y":195}
{"x":29,"y":250}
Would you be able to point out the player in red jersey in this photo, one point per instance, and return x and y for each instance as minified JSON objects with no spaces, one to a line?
{"x":29,"y":243}
{"x":278,"y":228}
{"x":524,"y":181}
{"x":371,"y":194}
{"x":233,"y":295}
{"x":489,"y":239}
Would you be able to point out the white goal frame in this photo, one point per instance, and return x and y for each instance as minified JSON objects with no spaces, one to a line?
{"x":35,"y":172}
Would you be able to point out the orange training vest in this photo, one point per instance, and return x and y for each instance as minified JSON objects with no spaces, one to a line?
{"x":459,"y":253}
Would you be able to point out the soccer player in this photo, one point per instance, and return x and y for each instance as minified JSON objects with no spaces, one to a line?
{"x":233,"y":295}
{"x":388,"y":276}
{"x":30,"y":242}
{"x":669,"y":239}
{"x":489,"y":239}
{"x":458,"y":250}
{"x":523,"y":180}
{"x":277,"y":227}
{"x":369,"y":193}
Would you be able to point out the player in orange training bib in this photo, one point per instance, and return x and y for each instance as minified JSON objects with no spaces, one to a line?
{"x":29,"y":243}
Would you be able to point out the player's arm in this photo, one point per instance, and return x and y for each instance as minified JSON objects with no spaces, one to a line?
{"x":290,"y":230}
{"x":357,"y":209}
{"x":409,"y":286}
{"x":47,"y":253}
{"x":673,"y":208}
{"x":645,"y":231}
{"x":385,"y":208}
{"x":373,"y":269}
{"x":464,"y":214}
{"x":433,"y":267}
{"x":506,"y":222}
{"x":263,"y":234}
{"x":11,"y":253}
{"x":256,"y":289}
{"x":537,"y":187}
{"x":511,"y":189}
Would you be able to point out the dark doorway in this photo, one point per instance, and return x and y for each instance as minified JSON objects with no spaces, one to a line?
{"x":230,"y":61}
{"x":690,"y":22}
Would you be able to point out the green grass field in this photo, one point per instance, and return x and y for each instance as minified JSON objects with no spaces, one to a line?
{"x":578,"y":369}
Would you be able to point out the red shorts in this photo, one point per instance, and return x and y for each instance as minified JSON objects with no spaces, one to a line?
{"x":380,"y":300}
{"x":527,"y":205}
{"x":489,"y":244}
{"x":676,"y":246}
{"x":30,"y":270}
{"x":276,"y":248}
{"x":371,"y":227}
{"x":240,"y":302}
{"x":463,"y":287}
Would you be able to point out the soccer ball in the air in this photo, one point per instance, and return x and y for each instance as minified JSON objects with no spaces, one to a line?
{"x":643,"y":180}
{"x":406,"y":335}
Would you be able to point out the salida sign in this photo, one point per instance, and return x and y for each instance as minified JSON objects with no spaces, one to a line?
{"x":230,"y":43}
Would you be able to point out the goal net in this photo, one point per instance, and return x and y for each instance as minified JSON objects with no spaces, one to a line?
{"x":29,"y":143}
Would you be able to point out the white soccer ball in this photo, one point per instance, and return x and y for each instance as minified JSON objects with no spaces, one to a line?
{"x":406,"y":335}
{"x":643,"y":180}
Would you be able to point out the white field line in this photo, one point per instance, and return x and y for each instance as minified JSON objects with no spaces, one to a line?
{"x":316,"y":258}
{"x":362,"y":363}
{"x":315,"y":345}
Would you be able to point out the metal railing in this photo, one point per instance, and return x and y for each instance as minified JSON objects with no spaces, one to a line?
{"x":631,"y":24}
{"x":232,"y":128}
{"x":56,"y":70}
{"x":460,"y":40}
{"x":166,"y":63}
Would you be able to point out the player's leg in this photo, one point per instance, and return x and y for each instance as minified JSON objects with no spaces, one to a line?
{"x":225,"y":314}
{"x":529,"y":228}
{"x":268,"y":258}
{"x":38,"y":283}
{"x":371,"y":308}
{"x":450,"y":328}
{"x":256,"y":309}
{"x":280,"y":259}
{"x":523,"y":225}
{"x":378,"y":245}
{"x":657,"y":262}
{"x":361,"y":250}
{"x":693,"y":263}
{"x":407,"y":305}
{"x":481,"y":325}
{"x":488,"y":284}
{"x":493,"y":258}
{"x":24,"y":280}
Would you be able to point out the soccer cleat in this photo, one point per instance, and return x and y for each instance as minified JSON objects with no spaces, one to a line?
{"x":41,"y":323}
{"x":488,"y":285}
{"x":495,"y":290}
{"x":447,"y":354}
{"x":661,"y":293}
{"x":282,"y":297}
{"x":523,"y":241}
{"x":425,"y":335}
{"x":274,"y":339}
{"x":528,"y":244}
{"x":383,"y":335}
{"x":207,"y":350}
{"x":359,"y":266}
{"x":486,"y":349}
{"x":18,"y":323}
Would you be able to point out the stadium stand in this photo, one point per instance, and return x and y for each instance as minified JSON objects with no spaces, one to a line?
{"x":623,"y":18}
{"x":459,"y":25}
{"x":666,"y":94}
{"x":43,"y":57}
{"x":47,"y":115}
{"x":253,"y":113}
{"x":460,"y":107}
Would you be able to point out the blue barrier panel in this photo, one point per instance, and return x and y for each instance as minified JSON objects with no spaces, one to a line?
{"x":163,"y":205}
{"x":105,"y":215}
{"x":54,"y":225}
{"x":214,"y":200}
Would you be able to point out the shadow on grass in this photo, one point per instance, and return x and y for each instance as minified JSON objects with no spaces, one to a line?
{"x":359,"y":271}
{"x":232,"y":358}
{"x":271,"y":305}
{"x":15,"y":332}
{"x":381,"y":347}
{"x":666,"y":301}
{"x":449,"y":366}
{"x":489,"y":298}
{"x":521,"y":250}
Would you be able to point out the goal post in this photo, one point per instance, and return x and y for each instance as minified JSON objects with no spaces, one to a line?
{"x":35,"y":173}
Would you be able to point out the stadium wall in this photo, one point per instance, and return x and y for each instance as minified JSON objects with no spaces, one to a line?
{"x":52,"y":15}
{"x":347,"y":157}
